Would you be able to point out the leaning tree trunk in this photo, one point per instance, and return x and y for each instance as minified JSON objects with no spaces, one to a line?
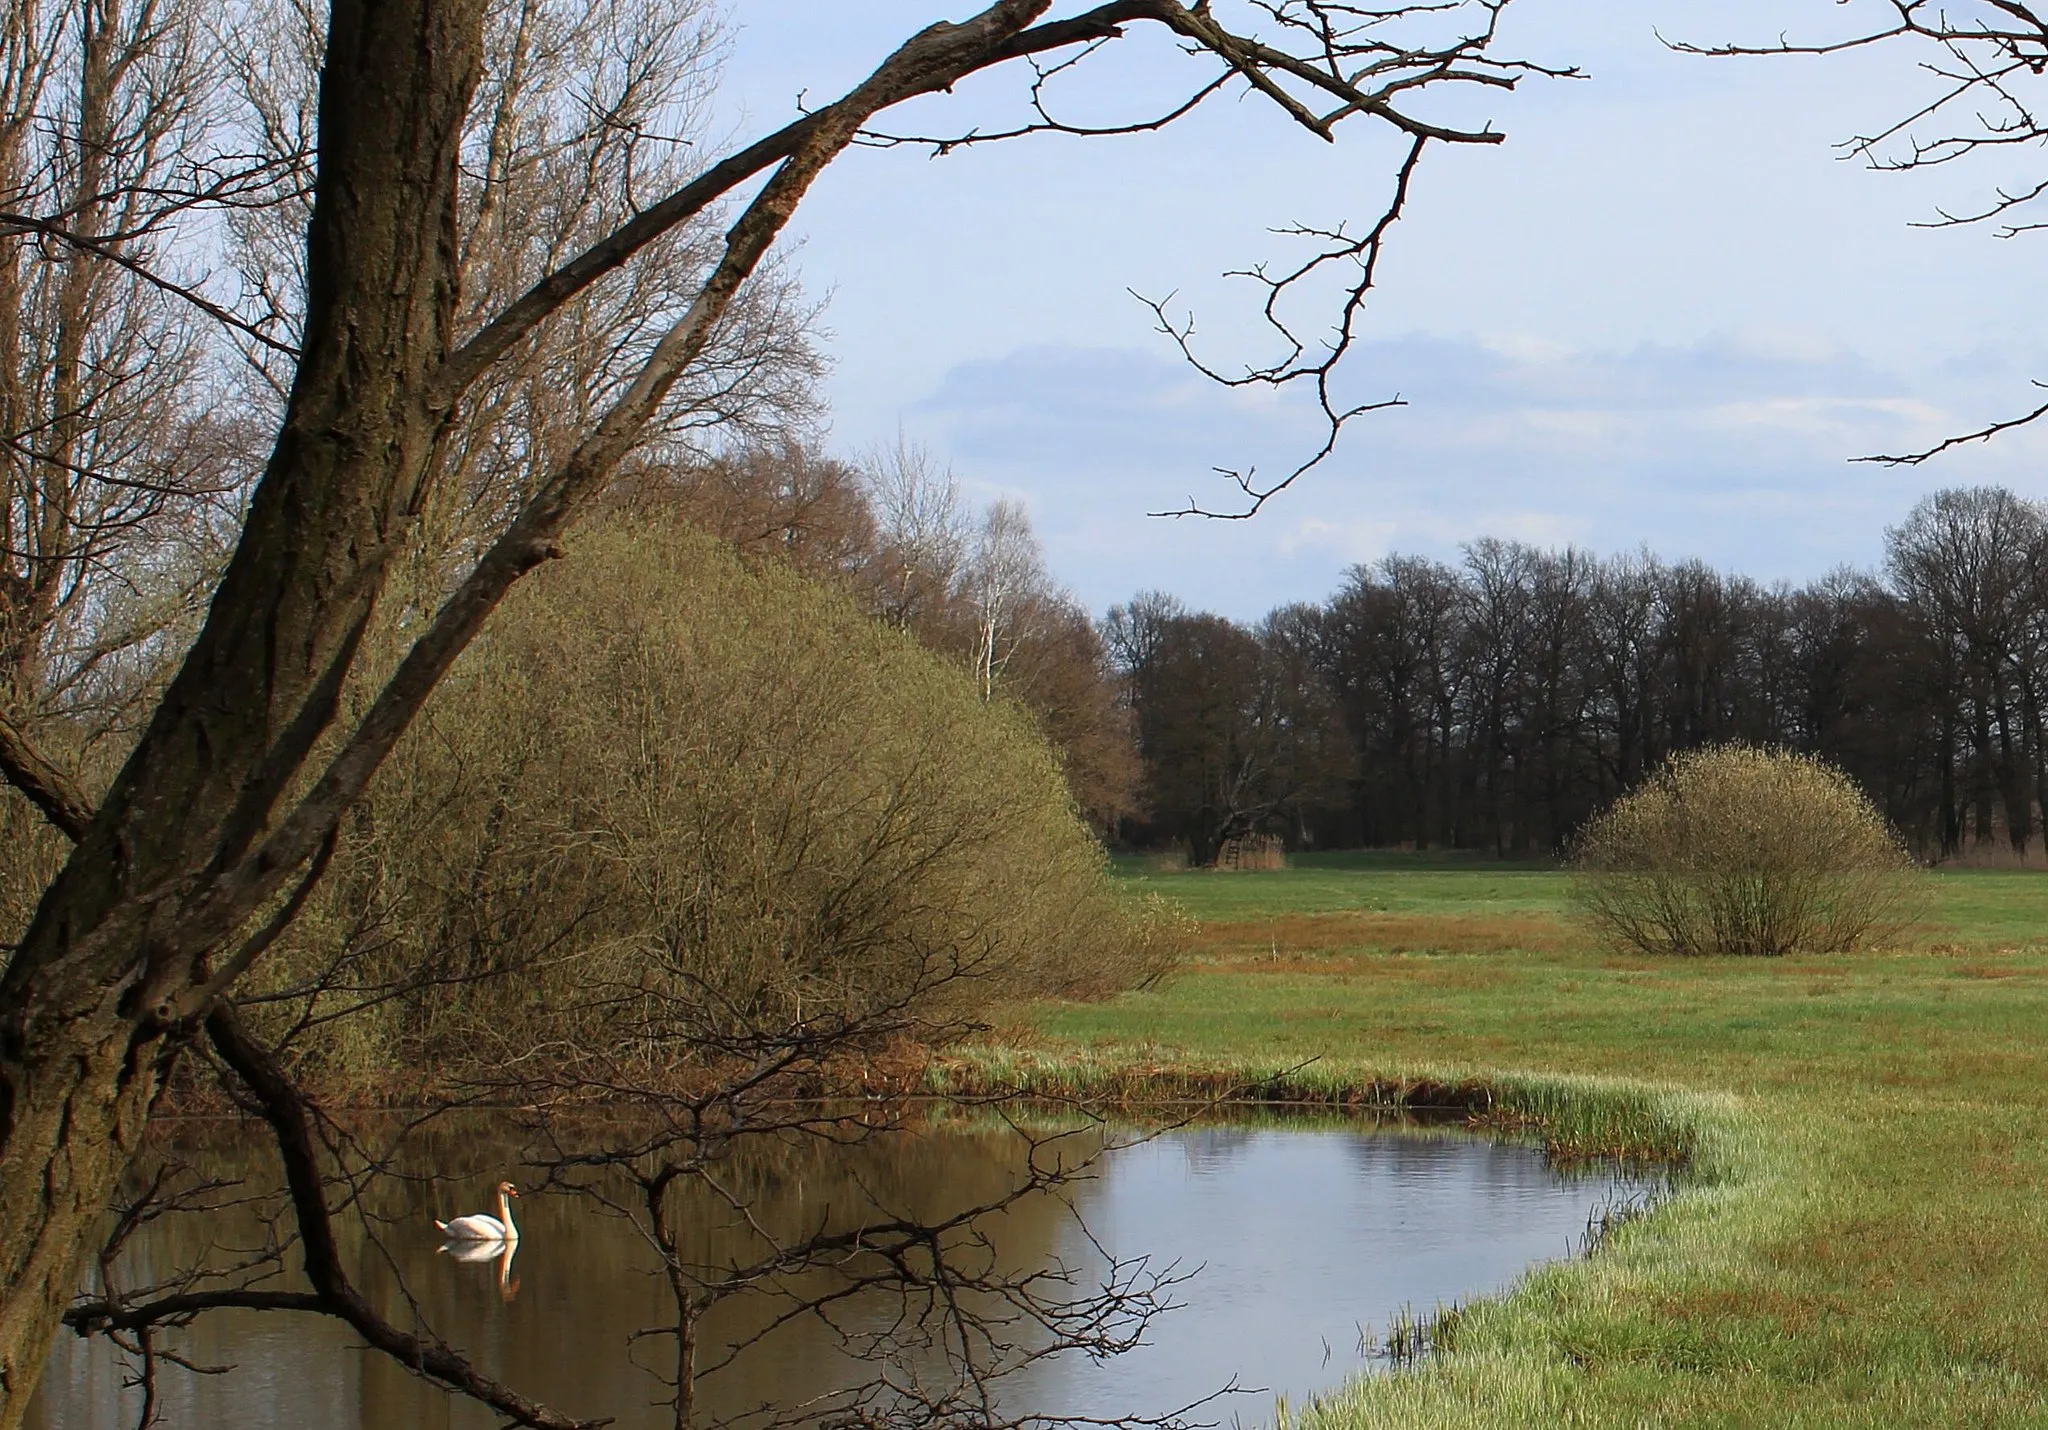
{"x":114,"y":971}
{"x":80,"y":1047}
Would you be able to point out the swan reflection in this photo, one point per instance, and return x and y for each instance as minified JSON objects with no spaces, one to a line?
{"x":501,"y":1252}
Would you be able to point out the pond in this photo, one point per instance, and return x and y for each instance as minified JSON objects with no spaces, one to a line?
{"x":1286,"y":1246}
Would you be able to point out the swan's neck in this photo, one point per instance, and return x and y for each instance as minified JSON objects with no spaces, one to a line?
{"x":505,"y":1217}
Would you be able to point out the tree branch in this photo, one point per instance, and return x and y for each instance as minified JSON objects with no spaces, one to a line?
{"x":544,"y":298}
{"x":1985,"y":63}
{"x":46,"y":786}
{"x":101,"y":1316}
{"x":1363,"y":253}
{"x":333,"y":1294}
{"x":112,"y":253}
{"x":1982,"y":434}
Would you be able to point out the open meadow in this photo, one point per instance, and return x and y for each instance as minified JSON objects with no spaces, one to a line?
{"x":1861,"y":1237}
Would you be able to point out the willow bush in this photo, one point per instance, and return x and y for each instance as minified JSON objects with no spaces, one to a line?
{"x":1736,"y":850}
{"x":675,"y":808}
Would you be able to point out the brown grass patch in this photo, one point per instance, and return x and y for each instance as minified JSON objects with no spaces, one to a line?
{"x":1793,"y":1311}
{"x":1330,"y":964}
{"x":1635,"y":963}
{"x":1283,"y":943}
{"x":1464,"y":977}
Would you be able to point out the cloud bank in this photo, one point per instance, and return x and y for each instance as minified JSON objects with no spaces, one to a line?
{"x":1736,"y":449}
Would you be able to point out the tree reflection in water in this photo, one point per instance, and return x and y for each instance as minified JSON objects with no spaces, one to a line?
{"x":842,"y":1268}
{"x":1301,"y":1233}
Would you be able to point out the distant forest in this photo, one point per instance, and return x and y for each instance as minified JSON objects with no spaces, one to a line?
{"x":1496,"y":703}
{"x":1490,"y":704}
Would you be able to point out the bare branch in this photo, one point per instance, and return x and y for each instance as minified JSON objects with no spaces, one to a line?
{"x":1982,"y":434}
{"x":1987,"y":54}
{"x":46,"y":786}
{"x":115,"y":253}
{"x":1363,"y":253}
{"x":546,"y":297}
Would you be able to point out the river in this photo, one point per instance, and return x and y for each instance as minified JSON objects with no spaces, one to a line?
{"x":1287,"y":1247}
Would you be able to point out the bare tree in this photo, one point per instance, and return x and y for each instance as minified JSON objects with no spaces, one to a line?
{"x":1964,"y":564}
{"x":1987,"y":59}
{"x":241,"y":778}
{"x":924,"y":529}
{"x":1007,"y":578}
{"x":119,"y":479}
{"x":784,"y":499}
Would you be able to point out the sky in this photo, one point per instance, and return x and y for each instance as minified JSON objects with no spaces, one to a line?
{"x":1665,"y":313}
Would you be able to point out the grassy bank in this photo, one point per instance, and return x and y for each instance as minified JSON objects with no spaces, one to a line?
{"x":1865,"y":1237}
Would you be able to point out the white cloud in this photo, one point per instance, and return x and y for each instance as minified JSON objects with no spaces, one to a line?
{"x":1730,"y":450}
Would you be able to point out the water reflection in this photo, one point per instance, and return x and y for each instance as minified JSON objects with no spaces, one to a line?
{"x":497,"y":1253}
{"x":1302,"y":1235}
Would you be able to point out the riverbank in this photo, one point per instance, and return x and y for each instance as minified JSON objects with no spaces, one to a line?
{"x":1863,"y":1235}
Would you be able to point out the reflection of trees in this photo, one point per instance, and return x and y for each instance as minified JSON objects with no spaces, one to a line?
{"x":1482,"y":1177}
{"x":903,"y":1276}
{"x":791,"y":1224}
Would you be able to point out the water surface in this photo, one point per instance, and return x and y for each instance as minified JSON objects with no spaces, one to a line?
{"x":1296,"y":1241}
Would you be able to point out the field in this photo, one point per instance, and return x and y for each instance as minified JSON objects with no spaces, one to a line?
{"x":1863,"y":1236}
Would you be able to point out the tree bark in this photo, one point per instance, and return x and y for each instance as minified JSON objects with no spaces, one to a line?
{"x":80,"y":1048}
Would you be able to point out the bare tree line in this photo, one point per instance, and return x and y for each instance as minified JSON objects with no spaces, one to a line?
{"x":1498,"y":703}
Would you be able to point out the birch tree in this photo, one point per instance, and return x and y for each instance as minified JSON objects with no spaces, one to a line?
{"x":1007,"y":578}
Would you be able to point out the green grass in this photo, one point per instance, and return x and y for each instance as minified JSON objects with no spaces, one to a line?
{"x":1864,"y":1238}
{"x":1346,"y":883}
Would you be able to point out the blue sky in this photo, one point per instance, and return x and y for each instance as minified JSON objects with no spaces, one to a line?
{"x":1663,"y":313}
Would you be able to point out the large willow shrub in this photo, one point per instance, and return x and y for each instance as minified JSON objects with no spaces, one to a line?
{"x":671,"y":809}
{"x":1737,"y":850}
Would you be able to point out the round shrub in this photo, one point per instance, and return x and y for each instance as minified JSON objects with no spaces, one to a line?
{"x":1739,"y":850}
{"x":673,"y":808}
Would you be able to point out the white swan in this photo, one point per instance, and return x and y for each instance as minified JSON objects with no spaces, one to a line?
{"x":481,"y":1227}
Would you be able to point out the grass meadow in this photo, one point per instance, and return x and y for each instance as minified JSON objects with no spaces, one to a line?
{"x":1862,"y":1235}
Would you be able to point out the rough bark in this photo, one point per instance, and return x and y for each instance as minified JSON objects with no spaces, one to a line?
{"x":79,"y":1049}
